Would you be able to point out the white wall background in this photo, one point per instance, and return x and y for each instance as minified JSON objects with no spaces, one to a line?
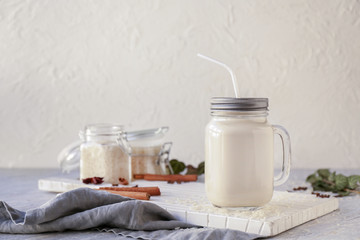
{"x":67,"y":63}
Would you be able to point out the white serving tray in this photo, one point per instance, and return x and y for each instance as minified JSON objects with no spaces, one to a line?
{"x":188,"y":202}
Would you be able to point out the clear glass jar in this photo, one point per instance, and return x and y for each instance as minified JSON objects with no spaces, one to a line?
{"x":104,"y":153}
{"x":146,"y":149}
{"x":239,"y":153}
{"x":149,"y":152}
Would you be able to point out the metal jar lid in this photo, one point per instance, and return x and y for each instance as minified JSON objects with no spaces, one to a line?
{"x":239,"y":104}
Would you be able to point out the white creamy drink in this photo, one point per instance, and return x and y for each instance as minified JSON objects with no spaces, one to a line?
{"x":239,"y":153}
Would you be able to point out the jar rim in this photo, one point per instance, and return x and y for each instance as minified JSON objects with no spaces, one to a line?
{"x":103,"y":129}
{"x":146,"y":134}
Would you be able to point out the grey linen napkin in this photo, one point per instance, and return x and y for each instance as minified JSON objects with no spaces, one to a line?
{"x":85,"y":208}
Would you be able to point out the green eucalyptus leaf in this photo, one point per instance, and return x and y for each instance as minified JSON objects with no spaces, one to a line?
{"x":341,"y":182}
{"x":326,"y":181}
{"x":177,"y":166}
{"x":332,"y":177}
{"x":353,"y":181}
{"x":201,"y":168}
{"x":343,"y":193}
{"x":321,"y":188}
{"x":318,"y":188}
{"x":325,"y":186}
{"x":191,"y":169}
{"x":311,"y":178}
{"x":324,"y":173}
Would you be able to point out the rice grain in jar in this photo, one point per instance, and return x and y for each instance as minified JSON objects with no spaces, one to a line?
{"x":149,"y":152}
{"x":104,"y":153}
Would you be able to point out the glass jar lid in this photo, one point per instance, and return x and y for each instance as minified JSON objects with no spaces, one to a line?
{"x":145,"y":134}
{"x":102,"y":129}
{"x":239,"y":104}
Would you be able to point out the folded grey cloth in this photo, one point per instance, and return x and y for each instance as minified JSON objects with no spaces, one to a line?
{"x":85,"y":208}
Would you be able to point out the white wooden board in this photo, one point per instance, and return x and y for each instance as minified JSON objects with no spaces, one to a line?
{"x":188,"y":202}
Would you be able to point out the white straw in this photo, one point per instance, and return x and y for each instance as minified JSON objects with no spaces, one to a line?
{"x":233,"y":77}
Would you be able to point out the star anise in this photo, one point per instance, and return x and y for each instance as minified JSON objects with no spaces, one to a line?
{"x":123,"y":181}
{"x":93,"y":180}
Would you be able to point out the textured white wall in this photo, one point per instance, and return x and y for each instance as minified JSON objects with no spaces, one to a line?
{"x":67,"y":63}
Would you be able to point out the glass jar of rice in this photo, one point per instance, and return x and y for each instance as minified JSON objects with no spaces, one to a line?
{"x":105,"y":153}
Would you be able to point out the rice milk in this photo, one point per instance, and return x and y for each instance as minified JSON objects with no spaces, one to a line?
{"x":239,"y":153}
{"x":239,"y":166}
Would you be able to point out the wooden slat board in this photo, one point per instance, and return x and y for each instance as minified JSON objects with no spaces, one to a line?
{"x":188,"y":202}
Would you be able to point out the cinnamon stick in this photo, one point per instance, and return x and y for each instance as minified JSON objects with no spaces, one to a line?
{"x":153,"y":191}
{"x":173,"y":177}
{"x":135,"y":195}
{"x":139,"y":176}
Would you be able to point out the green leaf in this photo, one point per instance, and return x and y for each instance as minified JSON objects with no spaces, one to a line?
{"x":341,"y":182}
{"x":322,"y":186}
{"x":191,"y":170}
{"x":332,"y":177}
{"x":318,"y":187}
{"x":353,"y":181}
{"x":324,"y":173}
{"x":326,"y":181}
{"x":343,"y":193}
{"x":201,"y":168}
{"x":177,"y":166}
{"x":312,"y":178}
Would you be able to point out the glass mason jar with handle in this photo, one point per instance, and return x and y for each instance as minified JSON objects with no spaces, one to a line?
{"x":239,"y":153}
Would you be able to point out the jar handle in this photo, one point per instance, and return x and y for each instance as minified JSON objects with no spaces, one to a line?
{"x":164,"y":156}
{"x":286,"y":162}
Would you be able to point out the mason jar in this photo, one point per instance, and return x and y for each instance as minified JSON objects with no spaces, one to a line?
{"x":239,"y":153}
{"x":104,"y":153}
{"x":149,"y":152}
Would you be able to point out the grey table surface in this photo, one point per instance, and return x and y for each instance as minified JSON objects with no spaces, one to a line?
{"x":19,"y":189}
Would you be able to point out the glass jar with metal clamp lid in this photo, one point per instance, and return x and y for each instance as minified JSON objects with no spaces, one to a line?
{"x":104,"y":153}
{"x":149,"y":151}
